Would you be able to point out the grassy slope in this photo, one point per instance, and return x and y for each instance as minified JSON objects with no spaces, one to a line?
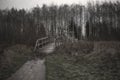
{"x":13,"y":58}
{"x":85,"y":61}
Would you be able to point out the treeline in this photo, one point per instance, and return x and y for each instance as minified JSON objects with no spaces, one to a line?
{"x":22,"y":26}
{"x":19,"y":26}
{"x":103,"y":21}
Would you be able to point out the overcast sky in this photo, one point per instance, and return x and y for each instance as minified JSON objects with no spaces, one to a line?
{"x":27,"y":4}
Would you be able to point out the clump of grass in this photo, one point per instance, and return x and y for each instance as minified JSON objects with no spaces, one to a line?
{"x":100,"y":62}
{"x":78,"y":48}
{"x":13,"y":58}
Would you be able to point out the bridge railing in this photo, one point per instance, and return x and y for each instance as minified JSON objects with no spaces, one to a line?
{"x":58,"y":41}
{"x":41,"y":42}
{"x":46,"y":40}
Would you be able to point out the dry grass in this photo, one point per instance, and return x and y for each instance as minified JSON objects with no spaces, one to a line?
{"x":12,"y":58}
{"x":85,"y":61}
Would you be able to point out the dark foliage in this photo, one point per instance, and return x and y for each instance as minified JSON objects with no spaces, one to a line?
{"x":19,"y":26}
{"x":103,"y":21}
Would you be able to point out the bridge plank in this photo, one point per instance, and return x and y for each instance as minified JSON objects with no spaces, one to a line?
{"x":31,"y":70}
{"x":34,"y":69}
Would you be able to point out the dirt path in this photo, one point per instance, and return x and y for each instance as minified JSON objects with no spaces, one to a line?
{"x":34,"y":69}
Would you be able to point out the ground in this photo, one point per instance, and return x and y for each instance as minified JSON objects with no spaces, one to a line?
{"x":12,"y":57}
{"x":85,"y":61}
{"x":70,"y":61}
{"x":33,"y":69}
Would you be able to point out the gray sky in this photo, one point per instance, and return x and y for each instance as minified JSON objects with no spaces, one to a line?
{"x":27,"y":4}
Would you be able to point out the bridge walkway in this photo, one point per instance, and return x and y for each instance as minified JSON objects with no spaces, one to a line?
{"x":34,"y":69}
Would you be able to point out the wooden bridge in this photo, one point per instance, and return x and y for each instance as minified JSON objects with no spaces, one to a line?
{"x":35,"y":69}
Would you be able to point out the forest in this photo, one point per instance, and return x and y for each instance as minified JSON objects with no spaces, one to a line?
{"x":101,"y":21}
{"x":89,"y":47}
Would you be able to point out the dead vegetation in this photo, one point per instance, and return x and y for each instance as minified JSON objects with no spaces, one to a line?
{"x":85,"y":61}
{"x":12,"y":58}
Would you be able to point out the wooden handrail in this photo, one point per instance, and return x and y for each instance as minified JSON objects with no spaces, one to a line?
{"x":41,"y":42}
{"x":42,"y":38}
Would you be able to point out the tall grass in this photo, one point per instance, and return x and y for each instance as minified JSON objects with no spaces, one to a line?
{"x":85,"y":61}
{"x":13,"y":58}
